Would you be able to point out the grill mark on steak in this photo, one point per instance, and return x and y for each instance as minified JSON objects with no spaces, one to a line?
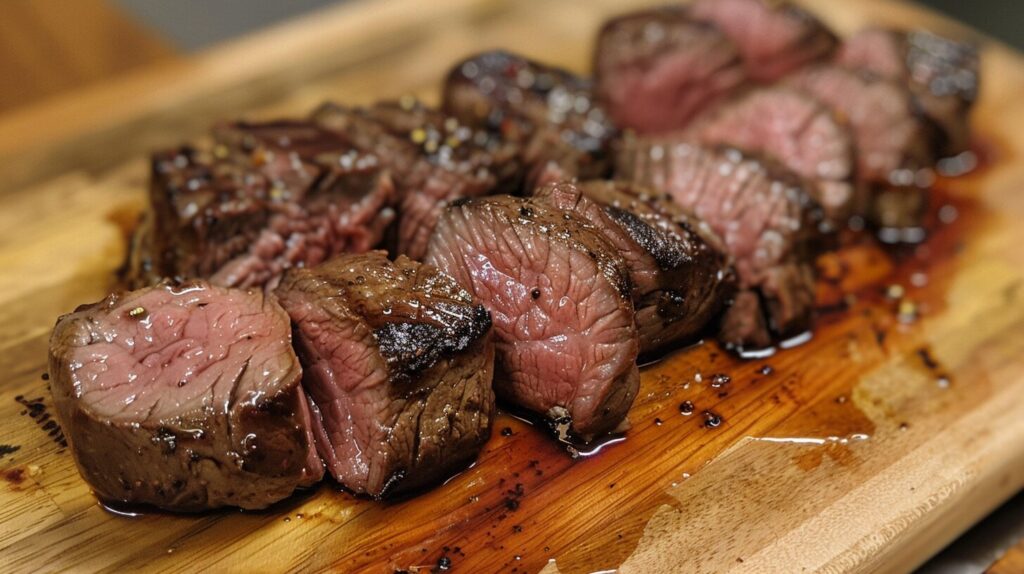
{"x":655,"y":69}
{"x":136,"y":432}
{"x":571,"y":348}
{"x":396,"y":412}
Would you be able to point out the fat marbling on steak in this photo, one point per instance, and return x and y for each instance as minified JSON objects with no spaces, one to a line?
{"x":398,"y":364}
{"x":559,"y":294}
{"x":186,"y":397}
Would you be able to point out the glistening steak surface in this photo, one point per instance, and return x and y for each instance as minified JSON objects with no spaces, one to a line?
{"x":186,"y":397}
{"x":549,"y":112}
{"x":656,"y":69}
{"x":797,"y":131}
{"x":766,"y":219}
{"x":558,"y":292}
{"x":679,"y":274}
{"x":941,"y":73}
{"x":398,"y":364}
{"x":773,"y":37}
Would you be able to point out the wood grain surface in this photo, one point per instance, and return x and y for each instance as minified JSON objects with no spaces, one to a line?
{"x":865,"y":449}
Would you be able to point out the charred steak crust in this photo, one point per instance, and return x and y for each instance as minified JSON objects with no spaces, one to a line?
{"x":680,"y":277}
{"x":186,"y":397}
{"x":767,"y":221}
{"x":550,"y":113}
{"x":656,"y":69}
{"x":566,"y":341}
{"x":774,"y":37}
{"x":263,"y":198}
{"x":399,"y":363}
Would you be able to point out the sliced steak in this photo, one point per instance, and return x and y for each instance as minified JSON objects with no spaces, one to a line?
{"x":433,"y":158}
{"x":549,"y":112}
{"x":398,"y":364}
{"x":941,"y":73}
{"x":773,"y":37}
{"x":895,"y":145}
{"x":657,"y":68}
{"x":797,"y":131}
{"x":566,"y":339}
{"x":265,"y":198}
{"x":186,"y":397}
{"x":767,"y":220}
{"x":679,"y":273}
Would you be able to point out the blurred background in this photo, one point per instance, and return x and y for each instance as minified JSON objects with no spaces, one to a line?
{"x":50,"y":47}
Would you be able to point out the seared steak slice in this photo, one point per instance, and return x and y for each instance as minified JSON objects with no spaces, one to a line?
{"x":566,"y":339}
{"x":941,"y":73}
{"x":894,"y":143}
{"x":265,"y":198}
{"x":766,"y":219}
{"x":679,"y":274}
{"x":549,"y":112}
{"x":773,"y":37}
{"x":797,"y":131}
{"x":657,"y":68}
{"x":433,"y":158}
{"x":398,"y":364}
{"x":186,"y":397}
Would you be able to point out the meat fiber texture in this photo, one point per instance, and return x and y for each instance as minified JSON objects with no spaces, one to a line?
{"x":679,"y":273}
{"x":433,"y":158}
{"x":399,"y":363}
{"x":656,"y":69}
{"x":896,"y":145}
{"x":265,"y":198}
{"x":795,"y":130}
{"x":550,"y":113}
{"x":941,"y":73}
{"x":774,"y":38}
{"x":186,"y":397}
{"x":767,"y":221}
{"x":559,"y":294}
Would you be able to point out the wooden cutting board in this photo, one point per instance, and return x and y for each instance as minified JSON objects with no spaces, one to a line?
{"x":867,"y":448}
